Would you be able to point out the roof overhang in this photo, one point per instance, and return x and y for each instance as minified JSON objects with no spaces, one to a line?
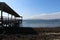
{"x":4,"y":7}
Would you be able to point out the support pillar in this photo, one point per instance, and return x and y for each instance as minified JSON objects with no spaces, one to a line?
{"x":14,"y":21}
{"x":11,"y":21}
{"x":8,"y":19}
{"x":2,"y":18}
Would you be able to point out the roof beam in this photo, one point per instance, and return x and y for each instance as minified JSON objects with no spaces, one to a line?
{"x":7,"y":9}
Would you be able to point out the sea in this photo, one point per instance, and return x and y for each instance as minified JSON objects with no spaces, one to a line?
{"x":41,"y":23}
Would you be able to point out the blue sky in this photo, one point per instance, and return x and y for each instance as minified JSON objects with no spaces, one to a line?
{"x":35,"y":8}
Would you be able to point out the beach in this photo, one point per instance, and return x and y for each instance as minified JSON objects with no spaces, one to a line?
{"x":42,"y":34}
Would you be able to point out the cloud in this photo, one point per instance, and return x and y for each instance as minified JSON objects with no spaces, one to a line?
{"x":55,"y":15}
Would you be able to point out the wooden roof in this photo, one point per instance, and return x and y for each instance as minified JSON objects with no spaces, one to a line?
{"x":6,"y":8}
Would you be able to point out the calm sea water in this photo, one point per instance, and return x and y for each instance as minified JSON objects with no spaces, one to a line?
{"x":41,"y":23}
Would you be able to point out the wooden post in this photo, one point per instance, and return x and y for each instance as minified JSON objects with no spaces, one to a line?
{"x":11,"y":20}
{"x":8,"y":19}
{"x":2,"y":17}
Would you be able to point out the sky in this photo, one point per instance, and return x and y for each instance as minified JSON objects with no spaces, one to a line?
{"x":36,"y":9}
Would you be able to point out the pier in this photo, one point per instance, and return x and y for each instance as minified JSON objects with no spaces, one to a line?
{"x":9,"y":21}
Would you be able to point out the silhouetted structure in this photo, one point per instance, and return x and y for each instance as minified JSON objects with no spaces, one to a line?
{"x":10,"y":21}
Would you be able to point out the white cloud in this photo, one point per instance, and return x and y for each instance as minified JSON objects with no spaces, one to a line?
{"x":55,"y":15}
